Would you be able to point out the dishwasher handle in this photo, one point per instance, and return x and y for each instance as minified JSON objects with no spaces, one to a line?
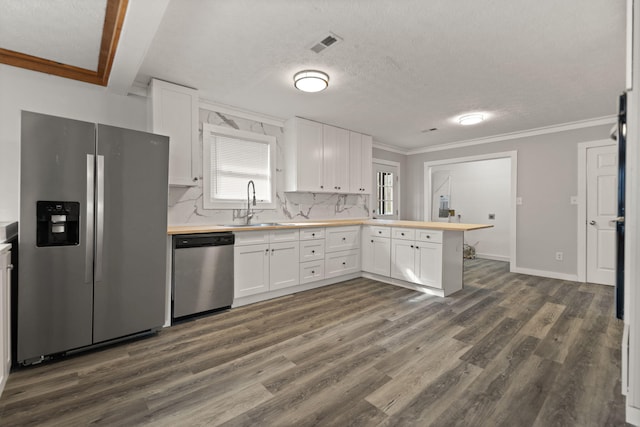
{"x":183,"y":241}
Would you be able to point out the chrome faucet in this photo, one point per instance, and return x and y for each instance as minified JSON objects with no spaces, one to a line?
{"x":249,"y":202}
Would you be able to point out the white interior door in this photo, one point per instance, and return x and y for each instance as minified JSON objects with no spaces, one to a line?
{"x":602,"y":182}
{"x":386,"y":201}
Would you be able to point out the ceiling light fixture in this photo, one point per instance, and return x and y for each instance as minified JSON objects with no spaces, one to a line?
{"x":470,"y":119}
{"x":310,"y":80}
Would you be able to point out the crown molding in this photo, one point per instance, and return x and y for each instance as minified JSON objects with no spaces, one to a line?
{"x":390,"y":148}
{"x":606,"y":120}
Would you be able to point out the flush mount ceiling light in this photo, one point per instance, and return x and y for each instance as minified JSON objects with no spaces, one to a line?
{"x":471,"y":119}
{"x":311,"y":80}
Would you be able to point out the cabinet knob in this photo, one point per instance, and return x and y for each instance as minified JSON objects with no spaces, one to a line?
{"x":344,"y":263}
{"x":322,"y":186}
{"x":195,"y":178}
{"x":344,"y":238}
{"x":411,"y":245}
{"x":417,"y":247}
{"x":313,"y":252}
{"x":428,"y":236}
{"x":313,"y":234}
{"x":313,"y":272}
{"x":372,"y":241}
{"x":273,"y":250}
{"x":402,"y":234}
{"x":379,"y":232}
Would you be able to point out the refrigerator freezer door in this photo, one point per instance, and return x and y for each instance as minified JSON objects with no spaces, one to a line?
{"x":131,"y":232}
{"x":54,"y":299}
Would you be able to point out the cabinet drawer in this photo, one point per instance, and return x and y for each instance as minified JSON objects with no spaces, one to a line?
{"x":251,"y":237}
{"x":311,"y":233}
{"x":311,"y":250}
{"x":341,"y":263}
{"x":433,"y":236}
{"x":287,"y":235}
{"x":311,"y":271}
{"x":376,"y":231}
{"x":342,"y":238}
{"x":403,"y":233}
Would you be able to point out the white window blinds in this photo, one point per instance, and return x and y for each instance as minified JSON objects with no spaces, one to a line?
{"x":231,"y":159}
{"x":233,"y":163}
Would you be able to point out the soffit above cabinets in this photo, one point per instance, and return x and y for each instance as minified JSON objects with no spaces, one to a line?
{"x":76,"y":39}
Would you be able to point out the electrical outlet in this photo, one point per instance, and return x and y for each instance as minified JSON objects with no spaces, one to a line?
{"x":559,"y":256}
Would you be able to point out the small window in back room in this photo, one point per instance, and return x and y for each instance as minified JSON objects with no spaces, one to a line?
{"x":385,"y":198}
{"x":232,"y":158}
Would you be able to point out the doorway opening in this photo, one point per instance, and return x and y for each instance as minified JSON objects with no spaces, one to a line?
{"x":476,"y":189}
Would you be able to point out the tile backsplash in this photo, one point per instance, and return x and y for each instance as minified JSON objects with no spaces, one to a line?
{"x":185,"y":203}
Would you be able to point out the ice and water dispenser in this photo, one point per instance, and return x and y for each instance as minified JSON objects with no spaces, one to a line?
{"x":58,"y":223}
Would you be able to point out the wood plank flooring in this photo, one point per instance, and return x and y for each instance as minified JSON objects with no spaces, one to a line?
{"x":509,"y":350}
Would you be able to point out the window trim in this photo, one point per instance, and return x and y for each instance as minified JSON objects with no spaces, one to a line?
{"x":209,"y":130}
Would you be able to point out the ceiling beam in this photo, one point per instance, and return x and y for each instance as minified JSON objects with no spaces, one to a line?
{"x":113,"y":20}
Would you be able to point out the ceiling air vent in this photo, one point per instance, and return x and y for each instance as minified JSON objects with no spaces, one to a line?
{"x":327,"y":41}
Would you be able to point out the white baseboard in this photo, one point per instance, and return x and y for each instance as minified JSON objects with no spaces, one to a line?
{"x":493,"y":257}
{"x":633,"y":415}
{"x":239,"y":302}
{"x":544,"y":273}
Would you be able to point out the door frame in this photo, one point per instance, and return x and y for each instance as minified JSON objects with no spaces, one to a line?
{"x":513,"y":155}
{"x":373,"y":180}
{"x":582,"y":202}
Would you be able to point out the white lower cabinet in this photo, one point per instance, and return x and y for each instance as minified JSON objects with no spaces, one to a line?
{"x":283,"y":265}
{"x":428,"y":258}
{"x":341,"y":263}
{"x":250,"y":269}
{"x":311,"y":271}
{"x":264,"y":267}
{"x":376,"y":250}
{"x":5,"y":318}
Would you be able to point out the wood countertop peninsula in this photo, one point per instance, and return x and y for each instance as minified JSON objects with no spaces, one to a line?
{"x":202,"y":228}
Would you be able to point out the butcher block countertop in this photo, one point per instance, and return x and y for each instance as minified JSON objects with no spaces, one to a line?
{"x":449,"y":226}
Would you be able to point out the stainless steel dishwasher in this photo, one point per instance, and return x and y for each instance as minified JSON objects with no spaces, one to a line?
{"x":202,"y":273}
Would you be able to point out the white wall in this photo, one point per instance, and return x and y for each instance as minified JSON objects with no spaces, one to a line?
{"x":27,"y":90}
{"x":547,"y":178}
{"x":476,"y":190}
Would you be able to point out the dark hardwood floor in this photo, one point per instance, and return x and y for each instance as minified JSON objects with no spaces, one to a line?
{"x":509,"y":350}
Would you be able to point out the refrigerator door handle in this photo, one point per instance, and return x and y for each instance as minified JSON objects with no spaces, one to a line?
{"x":99,"y":216}
{"x":89,"y":220}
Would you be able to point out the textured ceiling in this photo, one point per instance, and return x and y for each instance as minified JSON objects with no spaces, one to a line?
{"x":68,"y":32}
{"x":403,"y":66}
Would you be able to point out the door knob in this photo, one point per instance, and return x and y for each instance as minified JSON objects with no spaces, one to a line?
{"x":592,"y":222}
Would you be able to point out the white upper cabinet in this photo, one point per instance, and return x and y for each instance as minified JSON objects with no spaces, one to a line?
{"x":304,"y":155}
{"x":360,"y":160}
{"x":336,"y":159}
{"x":174,"y":112}
{"x":321,"y":159}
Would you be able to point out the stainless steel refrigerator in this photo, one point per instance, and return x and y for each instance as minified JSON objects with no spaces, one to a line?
{"x":92,"y":241}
